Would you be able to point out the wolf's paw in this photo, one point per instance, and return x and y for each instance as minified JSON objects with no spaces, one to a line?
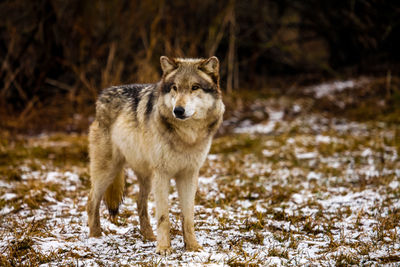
{"x":194,"y":247}
{"x":164,"y":250}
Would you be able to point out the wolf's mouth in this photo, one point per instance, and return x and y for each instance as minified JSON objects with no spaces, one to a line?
{"x":183,"y":117}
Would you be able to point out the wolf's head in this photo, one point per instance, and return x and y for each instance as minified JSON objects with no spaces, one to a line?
{"x":190,"y":87}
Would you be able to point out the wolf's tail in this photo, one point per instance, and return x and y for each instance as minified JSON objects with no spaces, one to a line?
{"x":114,"y":195}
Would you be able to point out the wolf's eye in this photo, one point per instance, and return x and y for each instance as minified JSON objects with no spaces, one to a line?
{"x":173,"y":87}
{"x":195,"y":87}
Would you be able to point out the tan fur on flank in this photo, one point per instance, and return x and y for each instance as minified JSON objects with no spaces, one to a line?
{"x":161,"y":131}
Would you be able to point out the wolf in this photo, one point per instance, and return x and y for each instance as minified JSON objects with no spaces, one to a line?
{"x":162,"y":131}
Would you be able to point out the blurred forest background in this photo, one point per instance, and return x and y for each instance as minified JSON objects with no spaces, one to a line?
{"x":57,"y":55}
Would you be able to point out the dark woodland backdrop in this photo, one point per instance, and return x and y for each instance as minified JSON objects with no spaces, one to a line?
{"x":57,"y":55}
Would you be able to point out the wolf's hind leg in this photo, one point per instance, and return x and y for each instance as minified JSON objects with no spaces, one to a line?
{"x":114,"y":194}
{"x":105,"y":165}
{"x":102,"y":176}
{"x":144,"y":191}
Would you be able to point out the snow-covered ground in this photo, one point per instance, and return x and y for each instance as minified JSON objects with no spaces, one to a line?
{"x":330,"y":88}
{"x":309,"y":191}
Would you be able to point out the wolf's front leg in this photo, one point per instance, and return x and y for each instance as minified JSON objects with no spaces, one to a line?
{"x":187,"y":186}
{"x":161,"y":190}
{"x":144,"y":190}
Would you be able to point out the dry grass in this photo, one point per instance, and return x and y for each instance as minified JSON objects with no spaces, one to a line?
{"x":310,"y":190}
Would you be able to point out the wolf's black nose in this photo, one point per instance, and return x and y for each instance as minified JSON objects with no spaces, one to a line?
{"x":179,"y":111}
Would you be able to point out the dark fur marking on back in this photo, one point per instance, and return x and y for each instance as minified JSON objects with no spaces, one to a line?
{"x":149,"y":105}
{"x":132,"y":91}
{"x":135,"y":100}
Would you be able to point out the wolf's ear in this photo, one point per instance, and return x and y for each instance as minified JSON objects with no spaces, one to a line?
{"x":167,"y":65}
{"x":210,"y":65}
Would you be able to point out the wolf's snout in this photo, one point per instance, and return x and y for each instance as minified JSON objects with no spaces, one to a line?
{"x":179,"y":112}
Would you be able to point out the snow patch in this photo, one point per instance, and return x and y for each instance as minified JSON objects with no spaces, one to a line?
{"x":307,"y":155}
{"x":265,"y":127}
{"x":329,"y":88}
{"x":8,"y":196}
{"x":323,"y":139}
